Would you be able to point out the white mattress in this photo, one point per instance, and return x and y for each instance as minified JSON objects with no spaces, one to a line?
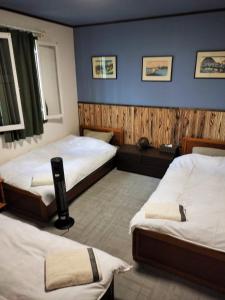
{"x":22,"y":257}
{"x":81,"y":156}
{"x":198,"y":183}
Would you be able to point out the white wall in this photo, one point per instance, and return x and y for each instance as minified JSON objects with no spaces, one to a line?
{"x":53,"y":130}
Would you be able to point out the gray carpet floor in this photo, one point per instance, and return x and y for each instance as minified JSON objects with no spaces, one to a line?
{"x":102,"y":216}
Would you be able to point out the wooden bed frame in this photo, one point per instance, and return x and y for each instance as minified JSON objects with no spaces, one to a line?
{"x":189,"y":143}
{"x":109,"y":295}
{"x":196,"y":263}
{"x":30,"y":205}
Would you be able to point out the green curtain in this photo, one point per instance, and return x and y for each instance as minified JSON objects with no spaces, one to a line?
{"x":8,"y":101}
{"x":23,"y":47}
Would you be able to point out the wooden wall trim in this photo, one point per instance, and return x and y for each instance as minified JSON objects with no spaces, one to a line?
{"x":159,"y":125}
{"x":165,"y":107}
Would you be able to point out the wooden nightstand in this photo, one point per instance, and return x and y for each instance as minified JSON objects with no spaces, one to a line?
{"x":150,"y":162}
{"x":2,"y":198}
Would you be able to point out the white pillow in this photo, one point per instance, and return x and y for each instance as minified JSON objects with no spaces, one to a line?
{"x":208,"y":151}
{"x":100,"y":135}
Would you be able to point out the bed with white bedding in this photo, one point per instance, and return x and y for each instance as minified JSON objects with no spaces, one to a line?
{"x":194,"y":247}
{"x":81,"y":156}
{"x":23,"y":249}
{"x":85,"y":159}
{"x":198,"y":183}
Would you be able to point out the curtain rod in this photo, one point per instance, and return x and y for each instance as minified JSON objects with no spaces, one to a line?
{"x":36,"y":32}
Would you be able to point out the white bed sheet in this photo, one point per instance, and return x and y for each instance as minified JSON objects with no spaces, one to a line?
{"x":81,"y":157}
{"x":22,"y":256}
{"x":198,"y":183}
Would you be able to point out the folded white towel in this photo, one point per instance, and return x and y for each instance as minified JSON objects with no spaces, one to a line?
{"x":42,"y":179}
{"x":165,"y":210}
{"x":71,"y":267}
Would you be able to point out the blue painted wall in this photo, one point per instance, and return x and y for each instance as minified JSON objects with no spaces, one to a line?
{"x":177,"y":36}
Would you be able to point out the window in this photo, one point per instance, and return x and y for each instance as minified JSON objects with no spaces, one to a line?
{"x":48,"y":71}
{"x":11,"y":116}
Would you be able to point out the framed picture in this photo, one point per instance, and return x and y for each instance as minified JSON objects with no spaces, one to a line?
{"x":157,"y":68}
{"x":104,"y":67}
{"x":210,"y":64}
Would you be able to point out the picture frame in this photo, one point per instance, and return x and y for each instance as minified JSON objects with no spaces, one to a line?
{"x":210,"y":64}
{"x":157,"y":68}
{"x":104,"y":67}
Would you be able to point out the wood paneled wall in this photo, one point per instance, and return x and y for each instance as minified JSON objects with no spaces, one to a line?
{"x":160,"y":125}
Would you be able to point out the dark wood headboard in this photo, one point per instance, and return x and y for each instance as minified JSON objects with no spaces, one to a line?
{"x":188,"y":143}
{"x":117,"y":138}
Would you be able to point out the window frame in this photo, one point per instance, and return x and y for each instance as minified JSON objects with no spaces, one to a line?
{"x":43,"y":103}
{"x":19,"y":126}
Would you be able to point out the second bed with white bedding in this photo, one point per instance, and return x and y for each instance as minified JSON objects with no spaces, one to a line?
{"x":23,"y":249}
{"x":198,"y":183}
{"x":81,"y":156}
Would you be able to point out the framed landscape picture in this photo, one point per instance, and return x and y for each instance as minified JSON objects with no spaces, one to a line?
{"x":157,"y":68}
{"x":210,"y":64}
{"x":104,"y":67}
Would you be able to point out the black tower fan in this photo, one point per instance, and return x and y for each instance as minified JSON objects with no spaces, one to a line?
{"x":64,"y":221}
